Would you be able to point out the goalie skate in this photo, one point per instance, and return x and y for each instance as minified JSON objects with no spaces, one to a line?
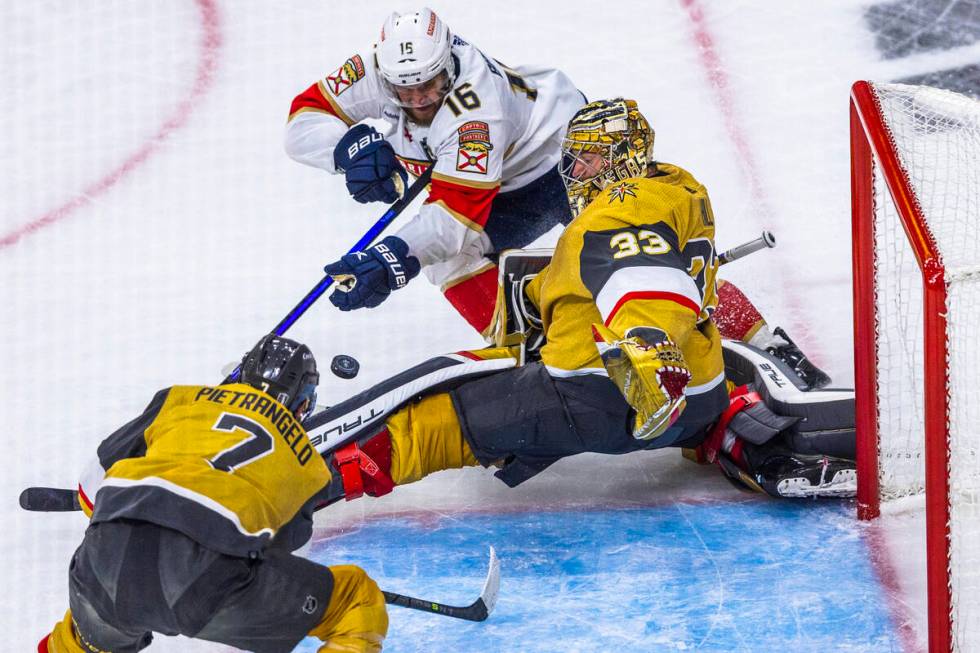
{"x":799,"y":477}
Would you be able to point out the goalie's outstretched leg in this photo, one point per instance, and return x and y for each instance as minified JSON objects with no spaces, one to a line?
{"x":737,"y":318}
{"x":751,"y":445}
{"x":419,"y":439}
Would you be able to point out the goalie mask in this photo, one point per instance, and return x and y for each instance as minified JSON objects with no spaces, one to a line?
{"x":606,"y":141}
{"x":285,"y":370}
{"x":415,"y":59}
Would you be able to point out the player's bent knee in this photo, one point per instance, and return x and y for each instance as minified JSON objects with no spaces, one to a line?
{"x":63,"y":639}
{"x":356,"y":619}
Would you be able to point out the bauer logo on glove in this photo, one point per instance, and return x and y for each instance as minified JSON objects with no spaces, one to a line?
{"x":652,"y":378}
{"x":366,"y":278}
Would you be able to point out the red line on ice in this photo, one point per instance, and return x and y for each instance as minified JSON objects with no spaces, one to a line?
{"x":718,"y":79}
{"x":884,"y":567}
{"x":210,"y":46}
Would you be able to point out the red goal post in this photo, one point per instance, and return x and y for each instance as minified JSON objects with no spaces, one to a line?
{"x":915,"y":199}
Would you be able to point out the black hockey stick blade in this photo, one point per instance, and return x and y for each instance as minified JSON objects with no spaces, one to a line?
{"x":49,"y":499}
{"x":479,"y":610}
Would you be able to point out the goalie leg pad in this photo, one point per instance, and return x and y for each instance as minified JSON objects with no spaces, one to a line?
{"x":750,"y":446}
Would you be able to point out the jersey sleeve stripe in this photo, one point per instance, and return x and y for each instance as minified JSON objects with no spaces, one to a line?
{"x":468,"y":205}
{"x":470,"y":183}
{"x":647,"y":282}
{"x":84,"y":501}
{"x":317,"y":98}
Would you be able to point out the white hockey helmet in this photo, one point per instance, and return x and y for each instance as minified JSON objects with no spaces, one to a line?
{"x":414,"y":48}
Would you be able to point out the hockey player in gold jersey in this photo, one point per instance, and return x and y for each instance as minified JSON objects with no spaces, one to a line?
{"x":196,"y":506}
{"x":631,"y":357}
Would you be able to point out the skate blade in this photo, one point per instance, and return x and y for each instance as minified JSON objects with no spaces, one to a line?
{"x":842,"y":485}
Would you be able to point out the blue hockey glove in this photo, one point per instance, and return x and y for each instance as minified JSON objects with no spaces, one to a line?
{"x":369,"y":164}
{"x":365,"y":279}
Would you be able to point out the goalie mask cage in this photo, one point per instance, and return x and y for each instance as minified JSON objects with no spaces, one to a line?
{"x":915,"y":193}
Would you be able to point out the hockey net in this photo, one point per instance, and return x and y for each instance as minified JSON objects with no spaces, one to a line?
{"x":916,"y":219}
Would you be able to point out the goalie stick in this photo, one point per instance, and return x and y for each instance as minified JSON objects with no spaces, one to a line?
{"x":766,"y":240}
{"x":479,"y":610}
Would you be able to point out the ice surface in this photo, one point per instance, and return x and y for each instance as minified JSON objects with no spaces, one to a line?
{"x":151,"y":228}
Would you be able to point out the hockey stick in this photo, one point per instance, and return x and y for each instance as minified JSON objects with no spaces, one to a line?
{"x":46,"y":499}
{"x":764,"y":241}
{"x":479,"y":610}
{"x":393,"y":212}
{"x":49,"y":499}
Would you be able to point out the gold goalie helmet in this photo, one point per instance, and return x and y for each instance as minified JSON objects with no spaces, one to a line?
{"x":607,"y":140}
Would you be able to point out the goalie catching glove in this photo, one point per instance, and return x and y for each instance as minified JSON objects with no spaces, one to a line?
{"x":651,"y":376}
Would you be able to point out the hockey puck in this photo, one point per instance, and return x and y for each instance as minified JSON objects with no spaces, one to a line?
{"x":344,"y":366}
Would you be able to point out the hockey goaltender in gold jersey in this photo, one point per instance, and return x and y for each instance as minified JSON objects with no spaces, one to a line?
{"x":607,"y":346}
{"x":616,"y":346}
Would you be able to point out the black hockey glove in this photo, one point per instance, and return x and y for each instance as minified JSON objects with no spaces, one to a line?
{"x":369,"y":164}
{"x":365,"y":279}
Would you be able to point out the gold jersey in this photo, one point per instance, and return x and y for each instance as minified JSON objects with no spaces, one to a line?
{"x":641,"y":260}
{"x":228,"y":466}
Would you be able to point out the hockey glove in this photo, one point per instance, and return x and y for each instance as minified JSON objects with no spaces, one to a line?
{"x":365,"y":279}
{"x":369,"y":164}
{"x":652,"y":378}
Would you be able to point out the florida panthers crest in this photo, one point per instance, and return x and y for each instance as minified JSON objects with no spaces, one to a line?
{"x":344,"y":77}
{"x":474,"y":147}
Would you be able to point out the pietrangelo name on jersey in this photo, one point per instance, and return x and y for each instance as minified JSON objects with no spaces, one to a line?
{"x":258,"y":402}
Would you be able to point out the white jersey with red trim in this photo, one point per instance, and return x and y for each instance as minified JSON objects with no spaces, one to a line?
{"x":497,"y":130}
{"x":641,"y":260}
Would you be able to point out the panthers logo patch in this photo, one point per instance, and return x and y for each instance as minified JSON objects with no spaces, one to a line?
{"x":345,"y":76}
{"x":474,"y":147}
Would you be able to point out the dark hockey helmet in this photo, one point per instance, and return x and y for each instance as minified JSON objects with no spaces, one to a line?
{"x":285,"y":370}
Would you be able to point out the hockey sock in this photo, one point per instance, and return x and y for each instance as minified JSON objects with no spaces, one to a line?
{"x":737,"y":318}
{"x":356,"y":619}
{"x":475,"y":297}
{"x":64,"y":639}
{"x":426,"y":438}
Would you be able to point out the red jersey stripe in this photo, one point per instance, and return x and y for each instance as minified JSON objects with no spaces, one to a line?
{"x":83,"y":498}
{"x":466,"y":203}
{"x":653,"y":294}
{"x":314,"y":99}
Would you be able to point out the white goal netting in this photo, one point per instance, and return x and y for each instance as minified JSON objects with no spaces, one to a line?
{"x":937,"y":137}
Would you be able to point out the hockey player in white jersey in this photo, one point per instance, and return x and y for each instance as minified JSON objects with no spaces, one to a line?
{"x":493,"y":134}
